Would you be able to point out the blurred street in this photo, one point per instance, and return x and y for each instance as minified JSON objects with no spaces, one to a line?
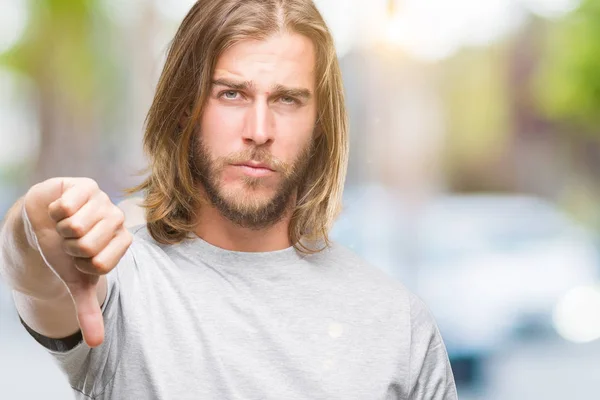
{"x":542,"y":370}
{"x":27,"y":372}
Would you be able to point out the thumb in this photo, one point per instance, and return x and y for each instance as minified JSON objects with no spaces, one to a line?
{"x":52,"y":189}
{"x":88,"y":310}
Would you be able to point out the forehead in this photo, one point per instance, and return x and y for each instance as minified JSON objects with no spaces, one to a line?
{"x":284,"y":58}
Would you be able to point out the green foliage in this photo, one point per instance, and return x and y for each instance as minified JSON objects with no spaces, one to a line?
{"x":567,"y":86}
{"x":475,"y":92}
{"x":61,"y":45}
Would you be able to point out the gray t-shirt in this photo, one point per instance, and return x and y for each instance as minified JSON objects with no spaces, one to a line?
{"x":194,"y":321}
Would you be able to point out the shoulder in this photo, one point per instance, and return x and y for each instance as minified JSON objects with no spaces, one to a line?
{"x":143,"y":251}
{"x":364,"y":278}
{"x":373,"y":279}
{"x":141,"y":233}
{"x":143,"y":242}
{"x":353,"y":265}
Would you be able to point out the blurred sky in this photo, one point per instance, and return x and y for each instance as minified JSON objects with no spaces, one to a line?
{"x":429,"y":29}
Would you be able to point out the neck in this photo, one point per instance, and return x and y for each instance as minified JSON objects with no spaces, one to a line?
{"x":219,"y":231}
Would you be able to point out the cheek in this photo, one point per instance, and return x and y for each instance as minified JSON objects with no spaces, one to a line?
{"x":220,"y":125}
{"x":295,"y":132}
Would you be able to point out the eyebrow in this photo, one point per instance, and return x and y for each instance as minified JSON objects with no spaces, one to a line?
{"x":244,"y":85}
{"x":278,"y":90}
{"x":281,"y":90}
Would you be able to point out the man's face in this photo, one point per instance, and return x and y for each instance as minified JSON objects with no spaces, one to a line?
{"x":256,"y":132}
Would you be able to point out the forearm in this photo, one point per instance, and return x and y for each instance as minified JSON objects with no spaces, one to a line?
{"x":21,"y":264}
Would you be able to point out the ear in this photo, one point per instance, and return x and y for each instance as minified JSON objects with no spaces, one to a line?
{"x":185,"y":119}
{"x":317,"y":131}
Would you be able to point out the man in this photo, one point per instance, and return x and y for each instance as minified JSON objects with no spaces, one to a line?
{"x":232,"y":289}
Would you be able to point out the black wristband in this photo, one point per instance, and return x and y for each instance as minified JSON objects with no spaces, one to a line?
{"x":58,"y":345}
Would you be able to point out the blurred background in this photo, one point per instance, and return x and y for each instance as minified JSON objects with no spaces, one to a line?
{"x":474,"y":175}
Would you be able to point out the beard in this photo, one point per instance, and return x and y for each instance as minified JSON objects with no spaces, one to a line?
{"x":247,"y":207}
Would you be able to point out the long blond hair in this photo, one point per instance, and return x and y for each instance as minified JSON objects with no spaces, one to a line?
{"x":210,"y":27}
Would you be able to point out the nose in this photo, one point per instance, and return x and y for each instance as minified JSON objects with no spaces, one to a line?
{"x":260,"y":124}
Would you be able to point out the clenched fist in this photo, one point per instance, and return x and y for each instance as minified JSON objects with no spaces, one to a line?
{"x":80,"y":234}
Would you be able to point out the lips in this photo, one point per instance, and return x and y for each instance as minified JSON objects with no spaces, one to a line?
{"x":256,"y":165}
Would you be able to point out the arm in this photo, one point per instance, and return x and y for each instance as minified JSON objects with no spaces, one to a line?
{"x":41,"y":298}
{"x":430,"y":376}
{"x":56,"y":245}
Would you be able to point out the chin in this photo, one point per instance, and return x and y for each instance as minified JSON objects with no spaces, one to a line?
{"x":251,"y":187}
{"x":242,"y":194}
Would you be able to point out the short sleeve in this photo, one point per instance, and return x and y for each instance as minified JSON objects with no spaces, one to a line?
{"x":430,"y":374}
{"x":90,"y":370}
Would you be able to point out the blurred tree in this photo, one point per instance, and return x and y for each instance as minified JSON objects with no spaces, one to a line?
{"x":567,"y":89}
{"x":64,"y":52}
{"x":568,"y":83}
{"x":476,"y":91}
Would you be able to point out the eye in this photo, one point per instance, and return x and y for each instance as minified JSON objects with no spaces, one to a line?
{"x":288,"y":100}
{"x":229,"y":94}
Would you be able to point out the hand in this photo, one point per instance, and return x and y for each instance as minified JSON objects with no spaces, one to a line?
{"x":80,"y":234}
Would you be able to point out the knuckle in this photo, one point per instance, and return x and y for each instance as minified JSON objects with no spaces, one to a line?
{"x":119,"y":216}
{"x":89,"y":183}
{"x":86,"y":248}
{"x":101,"y":265}
{"x":77,"y":228}
{"x":62,"y":228}
{"x":103,"y":197}
{"x":66,"y":207}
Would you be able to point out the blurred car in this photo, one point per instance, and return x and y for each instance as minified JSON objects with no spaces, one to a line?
{"x":490,"y":266}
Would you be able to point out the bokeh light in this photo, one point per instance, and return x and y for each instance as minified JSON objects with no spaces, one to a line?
{"x":577,"y":315}
{"x":13,"y":20}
